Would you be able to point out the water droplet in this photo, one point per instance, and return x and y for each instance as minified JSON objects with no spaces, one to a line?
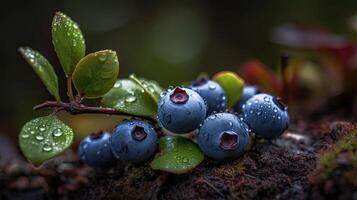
{"x":32,"y":132}
{"x":230,"y":124}
{"x":117,"y":85}
{"x":211,"y":87}
{"x":151,"y":89}
{"x":259,"y":113}
{"x":130,"y":98}
{"x":85,"y":146}
{"x":42,"y":129}
{"x":57,"y":132}
{"x":212,"y":117}
{"x":39,"y":137}
{"x":256,"y":101}
{"x":47,"y":148}
{"x":103,"y":58}
{"x":25,"y":135}
{"x":279,"y":117}
{"x":275,"y":110}
{"x":185,"y":160}
{"x":266,"y":99}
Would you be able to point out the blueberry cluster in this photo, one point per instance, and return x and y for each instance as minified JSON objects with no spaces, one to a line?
{"x":221,"y":135}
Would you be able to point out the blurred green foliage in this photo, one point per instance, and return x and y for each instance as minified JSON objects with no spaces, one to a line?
{"x":168,"y":41}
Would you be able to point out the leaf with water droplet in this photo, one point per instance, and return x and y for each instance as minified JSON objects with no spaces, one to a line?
{"x":68,"y":42}
{"x":126,"y":96}
{"x":42,"y":68}
{"x":44,"y":138}
{"x":149,"y":86}
{"x":232,"y":85}
{"x":96,"y":73}
{"x":177,"y":155}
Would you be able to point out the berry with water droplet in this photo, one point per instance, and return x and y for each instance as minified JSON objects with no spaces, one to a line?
{"x":94,"y":150}
{"x":272,"y":117}
{"x":134,"y":141}
{"x":223,"y":137}
{"x":212,"y":93}
{"x":181,"y":110}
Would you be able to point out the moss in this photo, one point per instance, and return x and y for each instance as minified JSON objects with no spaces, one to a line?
{"x":230,"y":170}
{"x":140,"y":173}
{"x":329,"y":160}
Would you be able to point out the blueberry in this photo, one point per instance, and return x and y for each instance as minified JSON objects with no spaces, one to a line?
{"x":181,"y":110}
{"x":94,"y":150}
{"x":212,"y":93}
{"x":134,"y":141}
{"x":223,"y":136}
{"x":266,"y":115}
{"x":248,"y":92}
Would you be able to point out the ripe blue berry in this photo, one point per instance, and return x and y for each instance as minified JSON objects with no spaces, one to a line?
{"x":267,"y":116}
{"x":223,"y":136}
{"x":181,"y":110}
{"x":248,"y":92}
{"x":94,"y":150}
{"x":133,"y":141}
{"x":212,"y":93}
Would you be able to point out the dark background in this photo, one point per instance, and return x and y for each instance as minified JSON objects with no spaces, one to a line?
{"x":168,"y":41}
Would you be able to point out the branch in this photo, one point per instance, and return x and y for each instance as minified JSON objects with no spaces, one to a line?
{"x":75,"y":109}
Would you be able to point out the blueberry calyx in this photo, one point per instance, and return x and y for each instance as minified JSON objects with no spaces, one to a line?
{"x":229,"y":141}
{"x":277,"y":101}
{"x":96,"y":136}
{"x":199,"y":82}
{"x":138,"y":133}
{"x":179,"y":96}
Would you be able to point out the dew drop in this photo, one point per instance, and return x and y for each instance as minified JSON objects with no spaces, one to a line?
{"x":211,"y":87}
{"x":130,"y":98}
{"x":212,"y":117}
{"x":259,"y":113}
{"x":32,"y":132}
{"x":266,"y":99}
{"x":151,"y":89}
{"x":42,"y":129}
{"x":25,"y":135}
{"x":275,"y":110}
{"x":39,"y":137}
{"x":47,"y":148}
{"x":117,"y":85}
{"x":57,"y":132}
{"x":103,"y":58}
{"x":230,"y":124}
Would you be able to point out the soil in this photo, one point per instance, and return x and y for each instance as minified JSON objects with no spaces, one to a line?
{"x":290,"y":167}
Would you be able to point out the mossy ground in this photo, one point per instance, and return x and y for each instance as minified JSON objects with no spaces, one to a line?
{"x":311,"y":160}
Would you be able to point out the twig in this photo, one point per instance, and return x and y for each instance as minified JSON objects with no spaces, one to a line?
{"x":204,"y":180}
{"x":75,"y":108}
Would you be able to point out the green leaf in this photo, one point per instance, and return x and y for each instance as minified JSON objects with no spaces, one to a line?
{"x":232,"y":85}
{"x":42,"y":68}
{"x":43,"y":138}
{"x":150,"y":86}
{"x":68,"y":42}
{"x":127,"y":96}
{"x":177,"y":155}
{"x":96,"y":73}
